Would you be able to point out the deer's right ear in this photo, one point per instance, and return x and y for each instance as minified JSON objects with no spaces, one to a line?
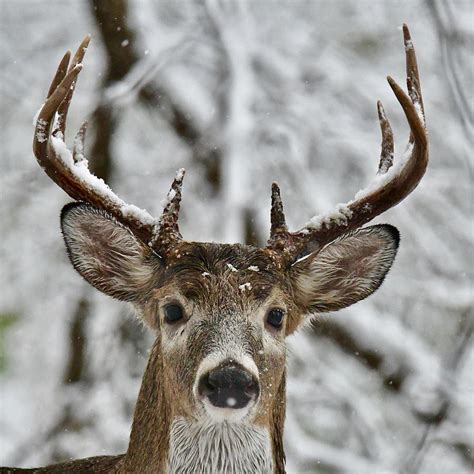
{"x":347,"y":270}
{"x":106,"y":253}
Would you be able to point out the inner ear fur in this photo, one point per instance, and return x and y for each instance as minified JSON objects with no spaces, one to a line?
{"x":107,"y":254}
{"x":346,"y":270}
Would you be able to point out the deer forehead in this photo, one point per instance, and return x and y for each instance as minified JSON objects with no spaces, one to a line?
{"x":222,"y":276}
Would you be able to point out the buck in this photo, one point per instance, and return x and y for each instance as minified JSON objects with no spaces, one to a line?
{"x":212,"y":399}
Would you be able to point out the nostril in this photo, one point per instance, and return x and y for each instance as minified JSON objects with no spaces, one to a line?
{"x":206,"y":387}
{"x":251,"y":389}
{"x":216,"y":378}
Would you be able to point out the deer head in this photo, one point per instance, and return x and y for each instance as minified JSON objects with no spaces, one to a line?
{"x":213,"y":395}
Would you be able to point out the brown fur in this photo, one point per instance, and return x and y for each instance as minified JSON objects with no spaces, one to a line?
{"x":226,"y":292}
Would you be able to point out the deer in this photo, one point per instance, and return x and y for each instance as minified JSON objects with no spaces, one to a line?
{"x":213,"y":395}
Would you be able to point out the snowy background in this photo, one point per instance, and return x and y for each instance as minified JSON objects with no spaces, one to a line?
{"x":242,"y":94}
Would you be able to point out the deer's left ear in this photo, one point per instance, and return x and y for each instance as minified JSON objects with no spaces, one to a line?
{"x":106,"y":253}
{"x":346,"y":270}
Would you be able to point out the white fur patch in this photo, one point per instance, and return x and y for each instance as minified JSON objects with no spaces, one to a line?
{"x":218,"y":448}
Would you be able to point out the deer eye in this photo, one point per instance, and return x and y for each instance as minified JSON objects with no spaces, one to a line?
{"x":275,"y":317}
{"x":173,"y":313}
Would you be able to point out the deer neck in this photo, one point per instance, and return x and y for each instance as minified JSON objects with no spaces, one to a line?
{"x":161,"y":443}
{"x":277,"y":426}
{"x":149,"y":438}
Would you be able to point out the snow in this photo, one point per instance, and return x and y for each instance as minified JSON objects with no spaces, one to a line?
{"x":79,"y":149}
{"x":231,"y":267}
{"x":172,"y":192}
{"x":81,"y":171}
{"x":130,"y":210}
{"x":245,"y":287}
{"x":169,"y":198}
{"x":381,"y":180}
{"x":419,"y":111}
{"x":338,"y":216}
{"x":41,"y":132}
{"x":253,"y":268}
{"x":180,"y":174}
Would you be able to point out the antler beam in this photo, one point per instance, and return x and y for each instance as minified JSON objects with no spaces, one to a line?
{"x":391,"y":185}
{"x":71,"y":172}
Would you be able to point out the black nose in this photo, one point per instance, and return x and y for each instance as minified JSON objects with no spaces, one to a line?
{"x":228,"y":386}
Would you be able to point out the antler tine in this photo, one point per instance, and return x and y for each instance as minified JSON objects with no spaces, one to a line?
{"x":415,"y":121}
{"x":278,"y":223}
{"x":70,"y":170}
{"x":386,"y":149}
{"x":78,"y":149}
{"x":47,"y":112}
{"x":64,"y":107}
{"x":167,"y":232}
{"x":392,"y":183}
{"x":60,"y":73}
{"x":413,"y":75}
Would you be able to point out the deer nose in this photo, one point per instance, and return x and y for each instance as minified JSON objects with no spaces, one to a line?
{"x":228,"y":386}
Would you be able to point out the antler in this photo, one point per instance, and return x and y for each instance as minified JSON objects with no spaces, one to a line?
{"x":70,"y":170}
{"x":391,"y":185}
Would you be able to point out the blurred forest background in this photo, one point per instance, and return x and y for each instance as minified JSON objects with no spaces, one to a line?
{"x":241,"y":94}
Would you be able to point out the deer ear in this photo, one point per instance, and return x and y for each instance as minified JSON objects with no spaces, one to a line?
{"x":106,"y":253}
{"x":346,"y":270}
